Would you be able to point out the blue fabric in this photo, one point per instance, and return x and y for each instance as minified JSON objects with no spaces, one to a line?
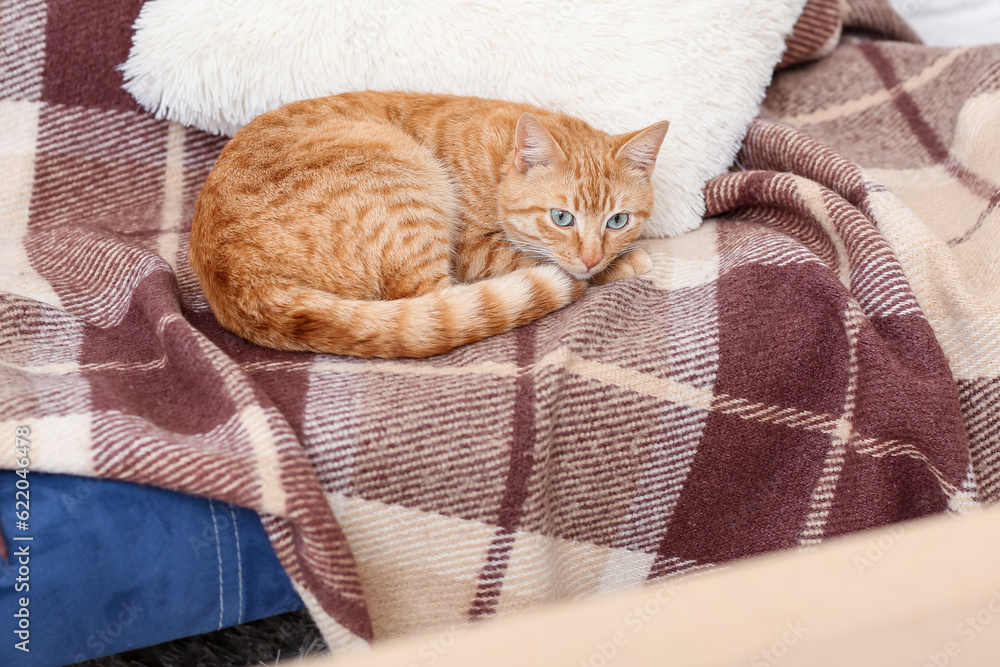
{"x":116,"y":566}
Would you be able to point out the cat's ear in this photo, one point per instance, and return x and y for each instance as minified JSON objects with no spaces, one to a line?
{"x":534,"y":145}
{"x":640,"y":148}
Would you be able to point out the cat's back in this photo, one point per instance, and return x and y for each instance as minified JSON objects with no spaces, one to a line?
{"x":270,"y":160}
{"x":420,"y":114}
{"x":458,"y":129}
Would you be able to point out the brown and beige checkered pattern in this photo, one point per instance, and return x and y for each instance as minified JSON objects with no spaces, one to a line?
{"x":819,"y":358}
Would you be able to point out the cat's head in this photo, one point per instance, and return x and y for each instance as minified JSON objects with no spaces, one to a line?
{"x":583,"y":206}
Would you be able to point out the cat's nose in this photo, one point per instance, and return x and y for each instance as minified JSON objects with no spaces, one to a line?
{"x":590,"y":260}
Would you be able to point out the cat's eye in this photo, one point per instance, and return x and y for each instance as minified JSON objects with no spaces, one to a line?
{"x":561,"y":218}
{"x":618,"y":220}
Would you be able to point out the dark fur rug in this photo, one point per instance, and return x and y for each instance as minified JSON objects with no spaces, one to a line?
{"x":269,"y":640}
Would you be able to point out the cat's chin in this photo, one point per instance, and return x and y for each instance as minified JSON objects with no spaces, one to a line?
{"x":580,"y":275}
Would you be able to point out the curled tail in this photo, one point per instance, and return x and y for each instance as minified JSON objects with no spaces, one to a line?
{"x":420,"y":326}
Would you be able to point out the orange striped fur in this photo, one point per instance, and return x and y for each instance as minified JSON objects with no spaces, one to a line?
{"x":405,"y":225}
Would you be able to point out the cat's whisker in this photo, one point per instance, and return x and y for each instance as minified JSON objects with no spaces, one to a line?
{"x":530,"y":249}
{"x":635,"y":245}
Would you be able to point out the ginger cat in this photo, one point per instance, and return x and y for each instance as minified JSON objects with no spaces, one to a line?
{"x":404,"y":225}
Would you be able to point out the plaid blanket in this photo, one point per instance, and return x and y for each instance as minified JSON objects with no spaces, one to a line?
{"x":819,"y":358}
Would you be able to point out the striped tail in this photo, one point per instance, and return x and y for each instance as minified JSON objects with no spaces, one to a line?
{"x":420,"y":326}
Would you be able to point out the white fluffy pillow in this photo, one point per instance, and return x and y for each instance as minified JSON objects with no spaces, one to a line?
{"x":618,"y":64}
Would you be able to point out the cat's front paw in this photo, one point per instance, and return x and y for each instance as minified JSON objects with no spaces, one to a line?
{"x":633,"y":263}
